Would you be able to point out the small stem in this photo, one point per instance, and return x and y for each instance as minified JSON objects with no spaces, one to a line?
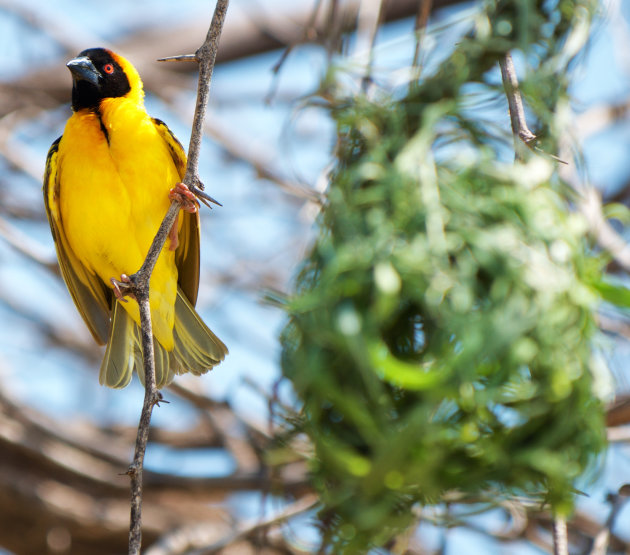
{"x":179,"y":58}
{"x":560,"y":537}
{"x":521,"y":132}
{"x":206,"y":56}
{"x":151,"y":397}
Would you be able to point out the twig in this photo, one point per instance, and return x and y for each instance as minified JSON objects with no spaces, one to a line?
{"x":522,"y":134}
{"x":560,"y":537}
{"x":179,"y":58}
{"x":590,"y":202}
{"x":139,"y":286}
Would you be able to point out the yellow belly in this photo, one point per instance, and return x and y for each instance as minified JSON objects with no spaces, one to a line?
{"x":113,"y":197}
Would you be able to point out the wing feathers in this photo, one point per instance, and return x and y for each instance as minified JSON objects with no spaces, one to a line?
{"x":187,"y":254}
{"x":123,"y":351}
{"x":91,"y":297}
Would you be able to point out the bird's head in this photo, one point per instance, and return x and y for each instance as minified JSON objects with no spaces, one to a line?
{"x":97,"y":74}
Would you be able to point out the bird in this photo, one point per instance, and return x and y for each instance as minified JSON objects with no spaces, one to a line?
{"x":108,"y":183}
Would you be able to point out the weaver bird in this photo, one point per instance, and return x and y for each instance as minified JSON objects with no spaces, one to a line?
{"x":108,"y":184}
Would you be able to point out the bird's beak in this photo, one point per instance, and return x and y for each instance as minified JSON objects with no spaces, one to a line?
{"x":83,"y":69}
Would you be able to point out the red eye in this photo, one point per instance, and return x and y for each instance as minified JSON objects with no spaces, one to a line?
{"x":108,"y":68}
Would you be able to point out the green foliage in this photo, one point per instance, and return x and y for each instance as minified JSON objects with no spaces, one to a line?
{"x":440,"y":332}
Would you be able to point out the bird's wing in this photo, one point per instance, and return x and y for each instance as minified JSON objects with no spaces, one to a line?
{"x":187,"y":253}
{"x":89,"y":293}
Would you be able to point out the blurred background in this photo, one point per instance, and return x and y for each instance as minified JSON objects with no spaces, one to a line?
{"x":66,"y":441}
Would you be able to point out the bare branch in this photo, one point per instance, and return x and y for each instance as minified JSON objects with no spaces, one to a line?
{"x":420,"y":25}
{"x":590,"y":203}
{"x":560,"y":538}
{"x":205,"y":56}
{"x":151,"y":398}
{"x":179,"y":58}
{"x":521,"y":132}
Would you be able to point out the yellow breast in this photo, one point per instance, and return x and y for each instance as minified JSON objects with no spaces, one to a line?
{"x":115,"y":172}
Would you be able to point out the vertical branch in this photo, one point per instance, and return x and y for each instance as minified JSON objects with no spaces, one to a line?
{"x":151,"y":398}
{"x":420,"y":25}
{"x":522,"y":135}
{"x":139,"y":282}
{"x":560,"y":538}
{"x":369,"y":18}
{"x":206,"y":57}
{"x":523,"y":138}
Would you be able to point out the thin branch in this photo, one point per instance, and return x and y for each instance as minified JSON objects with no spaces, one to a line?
{"x":591,"y":207}
{"x":151,"y":398}
{"x":522,"y":134}
{"x":139,"y":282}
{"x":179,"y":58}
{"x":206,"y":56}
{"x":590,"y":203}
{"x":420,"y":25}
{"x":368,"y":21}
{"x":560,"y":537}
{"x":602,"y":539}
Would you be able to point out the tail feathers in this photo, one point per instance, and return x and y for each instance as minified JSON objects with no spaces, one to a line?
{"x":197,"y":349}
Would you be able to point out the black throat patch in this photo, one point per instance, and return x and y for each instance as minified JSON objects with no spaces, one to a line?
{"x":103,"y":128}
{"x":112,"y":81}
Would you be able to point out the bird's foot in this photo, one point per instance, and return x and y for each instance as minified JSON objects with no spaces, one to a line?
{"x":189,"y":203}
{"x":122,"y":288}
{"x":185,"y":196}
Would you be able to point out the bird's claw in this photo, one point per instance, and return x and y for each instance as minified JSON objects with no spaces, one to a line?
{"x":122,"y":288}
{"x":185,"y":196}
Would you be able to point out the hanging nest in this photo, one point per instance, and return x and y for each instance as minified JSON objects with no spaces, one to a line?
{"x":440,"y":335}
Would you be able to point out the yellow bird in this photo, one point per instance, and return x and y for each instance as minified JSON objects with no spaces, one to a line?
{"x":106,"y":189}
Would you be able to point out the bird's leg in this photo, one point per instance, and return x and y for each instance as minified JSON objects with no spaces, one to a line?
{"x":189,"y":203}
{"x":122,"y":288}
